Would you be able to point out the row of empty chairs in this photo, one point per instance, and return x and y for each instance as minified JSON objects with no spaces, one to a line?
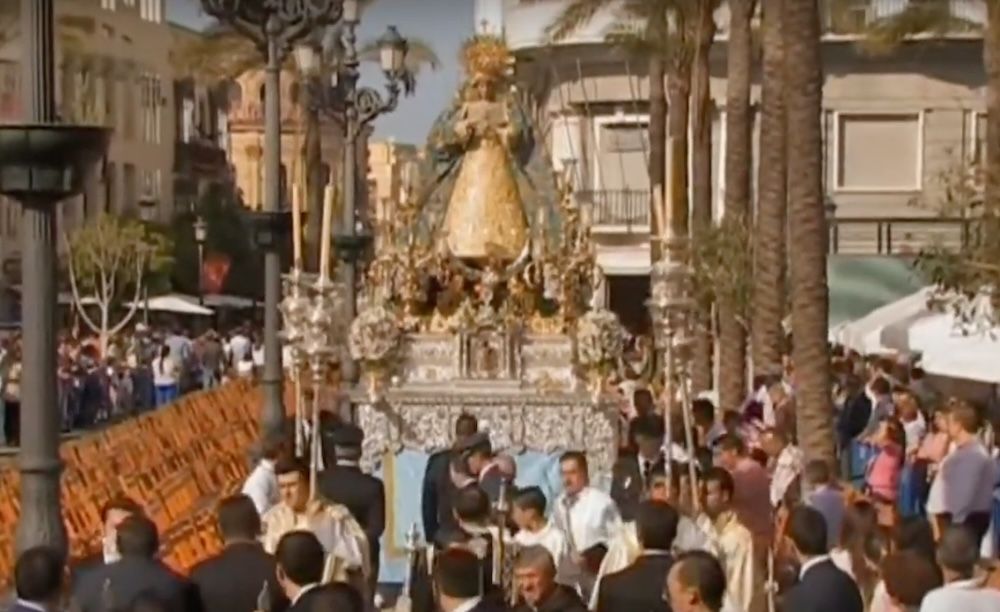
{"x":177,"y":462}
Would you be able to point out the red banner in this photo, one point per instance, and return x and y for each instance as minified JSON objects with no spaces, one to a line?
{"x":214,"y":271}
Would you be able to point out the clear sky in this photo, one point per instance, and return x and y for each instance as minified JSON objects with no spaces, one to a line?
{"x":444,"y":24}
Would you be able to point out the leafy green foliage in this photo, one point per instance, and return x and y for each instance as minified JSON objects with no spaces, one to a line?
{"x":722,"y":260}
{"x":974,"y":267}
{"x":109,"y":259}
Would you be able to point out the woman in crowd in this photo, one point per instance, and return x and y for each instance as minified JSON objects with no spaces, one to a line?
{"x":861,"y":546}
{"x":165,"y":377}
{"x":882,"y":479}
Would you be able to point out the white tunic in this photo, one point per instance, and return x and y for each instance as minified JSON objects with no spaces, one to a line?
{"x":588,"y":519}
{"x":556,"y":542}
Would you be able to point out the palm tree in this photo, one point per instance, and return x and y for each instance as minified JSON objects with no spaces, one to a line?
{"x":701,"y":179}
{"x":739,"y":156}
{"x":807,"y":227}
{"x":769,"y":254}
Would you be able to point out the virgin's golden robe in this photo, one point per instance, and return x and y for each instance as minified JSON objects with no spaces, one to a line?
{"x":485,"y":216}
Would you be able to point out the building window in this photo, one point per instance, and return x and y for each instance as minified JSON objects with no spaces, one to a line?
{"x":878,"y":151}
{"x":187,"y":120}
{"x":621,"y":156}
{"x":151,"y":184}
{"x":108,"y":5}
{"x":151,"y":108}
{"x":110,"y":188}
{"x":131,"y":193}
{"x":978,"y":138}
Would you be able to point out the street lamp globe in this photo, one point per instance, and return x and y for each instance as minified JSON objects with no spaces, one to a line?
{"x":200,"y":230}
{"x":351,"y":11}
{"x":392,"y":51}
{"x":307,"y":59}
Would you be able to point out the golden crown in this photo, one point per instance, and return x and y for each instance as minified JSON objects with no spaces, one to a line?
{"x":486,"y":56}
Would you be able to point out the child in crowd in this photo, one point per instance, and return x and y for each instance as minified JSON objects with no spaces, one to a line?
{"x":882,"y":479}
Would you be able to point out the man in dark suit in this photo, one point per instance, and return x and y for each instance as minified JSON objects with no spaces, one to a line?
{"x":300,"y":559}
{"x":640,"y":586}
{"x":242,"y":576}
{"x":822,"y":586}
{"x":117,"y":585}
{"x":457,"y":583}
{"x":38,"y":577}
{"x":438,"y":487}
{"x":631,"y":473}
{"x":364,"y":495}
{"x":114,"y":511}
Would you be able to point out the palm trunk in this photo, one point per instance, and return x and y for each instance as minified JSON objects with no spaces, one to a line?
{"x":678,"y":106}
{"x":701,"y":177}
{"x":657,"y":140}
{"x":732,"y":330}
{"x":807,"y":227}
{"x":991,"y":62}
{"x":769,"y":255}
{"x":314,"y":188}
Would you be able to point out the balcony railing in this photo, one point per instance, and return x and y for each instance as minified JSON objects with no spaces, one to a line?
{"x":897,"y":235}
{"x":627,"y":209}
{"x":848,"y":18}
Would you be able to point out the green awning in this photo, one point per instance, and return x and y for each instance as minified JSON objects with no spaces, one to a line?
{"x":861,"y":283}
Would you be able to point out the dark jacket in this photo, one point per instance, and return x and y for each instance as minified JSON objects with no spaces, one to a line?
{"x":119,"y":583}
{"x":638,"y":587}
{"x":563,"y":599}
{"x":336,"y":597}
{"x":234,"y":579}
{"x":853,"y":417}
{"x":823,"y":588}
{"x":438,"y":491}
{"x":627,"y":484}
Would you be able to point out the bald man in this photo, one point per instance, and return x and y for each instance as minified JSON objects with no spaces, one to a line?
{"x":535,"y":573}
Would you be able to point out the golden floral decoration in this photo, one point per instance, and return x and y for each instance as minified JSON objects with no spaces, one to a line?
{"x":487,"y":57}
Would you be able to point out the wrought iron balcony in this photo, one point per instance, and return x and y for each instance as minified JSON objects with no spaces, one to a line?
{"x":896,"y":235}
{"x":618,"y":209}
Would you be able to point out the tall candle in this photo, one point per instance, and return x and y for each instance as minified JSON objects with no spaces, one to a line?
{"x":297,"y":226}
{"x":324,"y":251}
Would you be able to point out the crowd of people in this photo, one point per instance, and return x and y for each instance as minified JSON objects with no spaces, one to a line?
{"x":728,"y":516}
{"x":139,"y":371}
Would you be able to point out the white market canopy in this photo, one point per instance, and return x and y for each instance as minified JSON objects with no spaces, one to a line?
{"x":949,"y":346}
{"x":864,"y":335}
{"x":176,"y":303}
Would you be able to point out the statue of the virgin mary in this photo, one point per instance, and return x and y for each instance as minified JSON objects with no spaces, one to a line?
{"x":491,"y":193}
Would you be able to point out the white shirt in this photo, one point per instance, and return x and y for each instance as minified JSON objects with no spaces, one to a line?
{"x":555,"y":541}
{"x":164,"y":371}
{"x":468,"y":605}
{"x":963,"y":595}
{"x":915,"y":431}
{"x":261,"y":486}
{"x":787,"y":467}
{"x":589,"y":519}
{"x":30,"y":605}
{"x":238,"y":347}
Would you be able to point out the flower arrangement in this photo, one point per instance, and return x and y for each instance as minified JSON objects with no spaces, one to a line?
{"x":600,"y":339}
{"x":375,"y":335}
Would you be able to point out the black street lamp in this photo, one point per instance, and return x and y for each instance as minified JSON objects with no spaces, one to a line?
{"x":42,"y":162}
{"x":274,"y":26}
{"x":147,"y":213}
{"x":355,"y":108}
{"x":200,"y":235}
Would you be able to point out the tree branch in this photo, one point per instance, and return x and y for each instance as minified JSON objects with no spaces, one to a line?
{"x":134,"y":304}
{"x":76,"y":292}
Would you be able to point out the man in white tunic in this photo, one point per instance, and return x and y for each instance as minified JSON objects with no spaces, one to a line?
{"x":588,"y":517}
{"x":342,"y":537}
{"x":528,"y":512}
{"x":261,"y":486}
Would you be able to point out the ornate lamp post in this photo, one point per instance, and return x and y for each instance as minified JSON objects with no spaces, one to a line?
{"x":147,"y":213}
{"x":41,"y":163}
{"x":274,"y":26}
{"x":200,"y":235}
{"x":356,"y":108}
